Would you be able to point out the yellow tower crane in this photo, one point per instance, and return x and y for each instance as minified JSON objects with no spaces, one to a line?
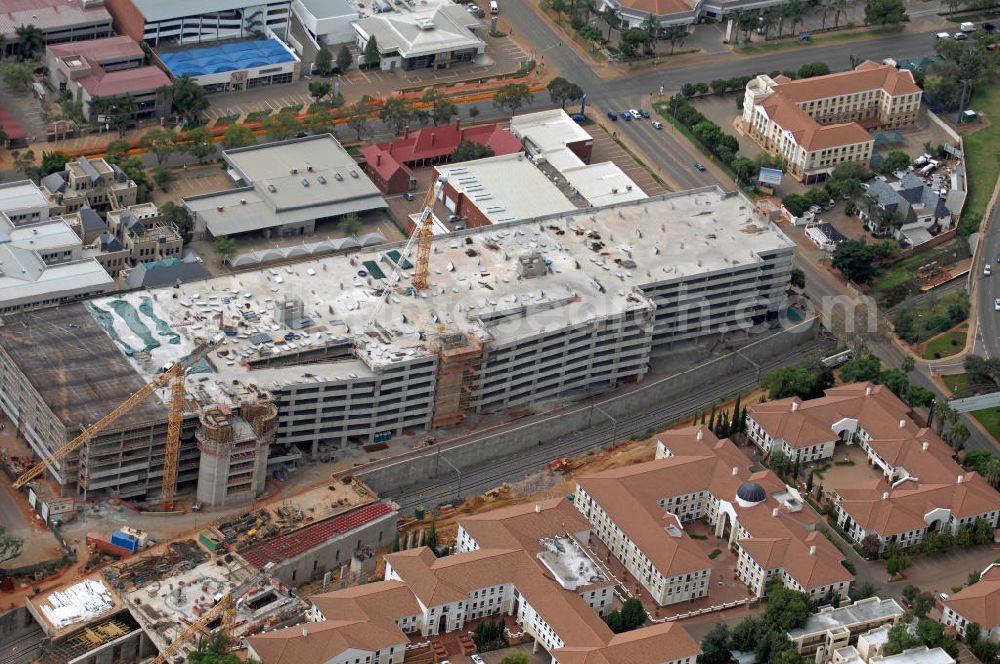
{"x":175,"y":418}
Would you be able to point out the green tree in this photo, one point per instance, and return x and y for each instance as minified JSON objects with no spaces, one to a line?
{"x":985,"y":651}
{"x":811,"y":69}
{"x":900,"y":639}
{"x":885,"y":12}
{"x":187,"y":97}
{"x":119,"y":146}
{"x":778,"y":462}
{"x":562,"y":91}
{"x":614,"y":621}
{"x":372,"y":57}
{"x":52,"y":162}
{"x":30,"y":40}
{"x":796,"y":204}
{"x":163,"y":176}
{"x":396,"y":113}
{"x":224,"y":246}
{"x":797,"y":277}
{"x":633,"y":614}
{"x":715,"y":645}
{"x":133,"y":167}
{"x":861,"y":369}
{"x":676,"y":35}
{"x":791,"y":381}
{"x":161,"y":142}
{"x":18,"y":75}
{"x":442,"y":109}
{"x":24,"y":160}
{"x":512,"y":97}
{"x":323,"y":64}
{"x":467,"y":151}
{"x":281,"y":126}
{"x":350,"y":223}
{"x":319,"y":89}
{"x":238,"y":136}
{"x":357,"y":117}
{"x":856,"y":260}
{"x":344,"y":58}
{"x":177,"y":216}
{"x":515,"y":658}
{"x":896,"y":160}
{"x":745,"y":169}
{"x":72,"y":110}
{"x":200,"y":144}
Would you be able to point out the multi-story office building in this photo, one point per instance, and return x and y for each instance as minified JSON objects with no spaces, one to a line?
{"x":978,"y":603}
{"x":142,"y":233}
{"x":107,"y":68}
{"x":817,"y":123}
{"x":639,"y":513}
{"x":92,"y":183}
{"x":22,"y":202}
{"x":191,"y":22}
{"x":59,"y":20}
{"x":922,"y":488}
{"x":835,"y":627}
{"x":526,"y":562}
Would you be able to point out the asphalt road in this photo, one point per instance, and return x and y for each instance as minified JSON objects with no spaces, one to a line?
{"x":987,"y":290}
{"x":636,"y":90}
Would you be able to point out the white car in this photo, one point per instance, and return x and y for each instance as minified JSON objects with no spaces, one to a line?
{"x":476,"y":659}
{"x":987,"y":270}
{"x":636,"y":115}
{"x":943,"y":596}
{"x":996,"y":304}
{"x":472,"y":9}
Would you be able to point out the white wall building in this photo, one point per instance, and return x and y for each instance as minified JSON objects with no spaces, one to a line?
{"x":327,"y":21}
{"x":978,"y":603}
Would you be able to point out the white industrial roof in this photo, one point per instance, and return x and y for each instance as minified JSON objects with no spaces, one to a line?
{"x":26,"y":279}
{"x":21,"y":195}
{"x":507,"y":188}
{"x":548,"y":130}
{"x":603,"y":184}
{"x":422,"y":32}
{"x":43,"y":236}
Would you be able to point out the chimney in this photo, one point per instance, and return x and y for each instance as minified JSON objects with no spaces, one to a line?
{"x":378,"y":159}
{"x":433,"y":136}
{"x":458,"y":123}
{"x":735,"y":471}
{"x":700,"y":434}
{"x":902,"y":424}
{"x":775,"y":512}
{"x":868,"y":391}
{"x":538,"y":508}
{"x":959,"y":479}
{"x":795,"y":406}
{"x":406,"y":132}
{"x":812,"y":550}
{"x":925,"y":446}
{"x":305,"y":632}
{"x":885,"y":495}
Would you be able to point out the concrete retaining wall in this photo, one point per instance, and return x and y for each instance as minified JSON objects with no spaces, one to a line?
{"x":396,"y":478}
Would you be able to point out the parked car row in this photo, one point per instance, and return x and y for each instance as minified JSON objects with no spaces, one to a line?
{"x":629,"y":115}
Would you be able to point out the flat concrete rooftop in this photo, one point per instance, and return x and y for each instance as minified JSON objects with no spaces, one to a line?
{"x":845,"y":616}
{"x":597,"y":260}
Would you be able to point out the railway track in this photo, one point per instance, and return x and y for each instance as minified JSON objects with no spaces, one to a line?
{"x":518,"y":466}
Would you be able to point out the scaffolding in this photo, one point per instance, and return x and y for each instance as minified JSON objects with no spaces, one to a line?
{"x":459,"y":359}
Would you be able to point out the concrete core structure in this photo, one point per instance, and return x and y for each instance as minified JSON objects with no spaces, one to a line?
{"x":234,"y":445}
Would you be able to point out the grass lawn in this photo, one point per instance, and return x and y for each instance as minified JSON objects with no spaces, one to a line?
{"x":256,"y":116}
{"x":295,"y":108}
{"x":226,"y":121}
{"x":947,"y":344}
{"x":990,"y":419}
{"x":958,"y":384}
{"x":903,"y":270}
{"x":981,"y":155}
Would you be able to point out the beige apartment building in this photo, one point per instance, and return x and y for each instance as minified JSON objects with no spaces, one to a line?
{"x":92,"y":183}
{"x":817,"y":123}
{"x":143,"y":234}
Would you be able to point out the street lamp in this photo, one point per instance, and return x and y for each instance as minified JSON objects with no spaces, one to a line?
{"x":614,"y":423}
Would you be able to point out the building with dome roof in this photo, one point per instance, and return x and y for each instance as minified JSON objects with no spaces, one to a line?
{"x":639,"y":513}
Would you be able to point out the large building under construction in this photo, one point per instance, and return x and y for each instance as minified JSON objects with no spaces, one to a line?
{"x":525,"y":312}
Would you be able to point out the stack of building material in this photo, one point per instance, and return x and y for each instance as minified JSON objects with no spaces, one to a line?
{"x":82,"y":601}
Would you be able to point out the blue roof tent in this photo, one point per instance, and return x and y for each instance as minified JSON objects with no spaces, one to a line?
{"x":770,"y":176}
{"x":230,"y":56}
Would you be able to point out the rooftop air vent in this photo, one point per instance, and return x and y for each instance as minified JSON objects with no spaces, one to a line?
{"x":305,"y":182}
{"x":271,"y":188}
{"x":354,"y":174}
{"x":321,"y":179}
{"x":338,"y":176}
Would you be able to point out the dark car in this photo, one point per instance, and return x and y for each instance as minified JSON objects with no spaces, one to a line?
{"x":625,"y":116}
{"x":408,"y":196}
{"x":579,"y":118}
{"x":989,"y":28}
{"x":612,"y":116}
{"x":644,"y":113}
{"x":700,"y":166}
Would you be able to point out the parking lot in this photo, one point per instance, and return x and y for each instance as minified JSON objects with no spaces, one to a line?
{"x":605,"y":149}
{"x":194,"y":182}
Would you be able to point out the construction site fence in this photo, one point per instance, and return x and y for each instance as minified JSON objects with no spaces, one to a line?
{"x":46,"y":566}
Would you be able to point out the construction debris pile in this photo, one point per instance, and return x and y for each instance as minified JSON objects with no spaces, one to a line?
{"x":138,"y":572}
{"x":80,"y":602}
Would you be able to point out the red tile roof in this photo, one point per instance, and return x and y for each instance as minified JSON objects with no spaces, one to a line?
{"x":10,"y":126}
{"x":288,"y":546}
{"x":99,"y":50}
{"x":435,"y":143}
{"x":124,"y":81}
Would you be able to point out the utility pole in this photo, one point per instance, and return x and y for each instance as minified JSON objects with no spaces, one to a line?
{"x":458,"y":492}
{"x":614,"y":423}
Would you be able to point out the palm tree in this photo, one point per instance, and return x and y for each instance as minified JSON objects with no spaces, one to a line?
{"x":824,"y":11}
{"x":794,"y":10}
{"x":650,"y":29}
{"x":839,"y":8}
{"x":992,"y":472}
{"x":675,"y":34}
{"x":613,"y":18}
{"x":768,"y":21}
{"x":31,"y":40}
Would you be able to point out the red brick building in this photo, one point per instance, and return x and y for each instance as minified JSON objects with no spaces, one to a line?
{"x":389,"y":164}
